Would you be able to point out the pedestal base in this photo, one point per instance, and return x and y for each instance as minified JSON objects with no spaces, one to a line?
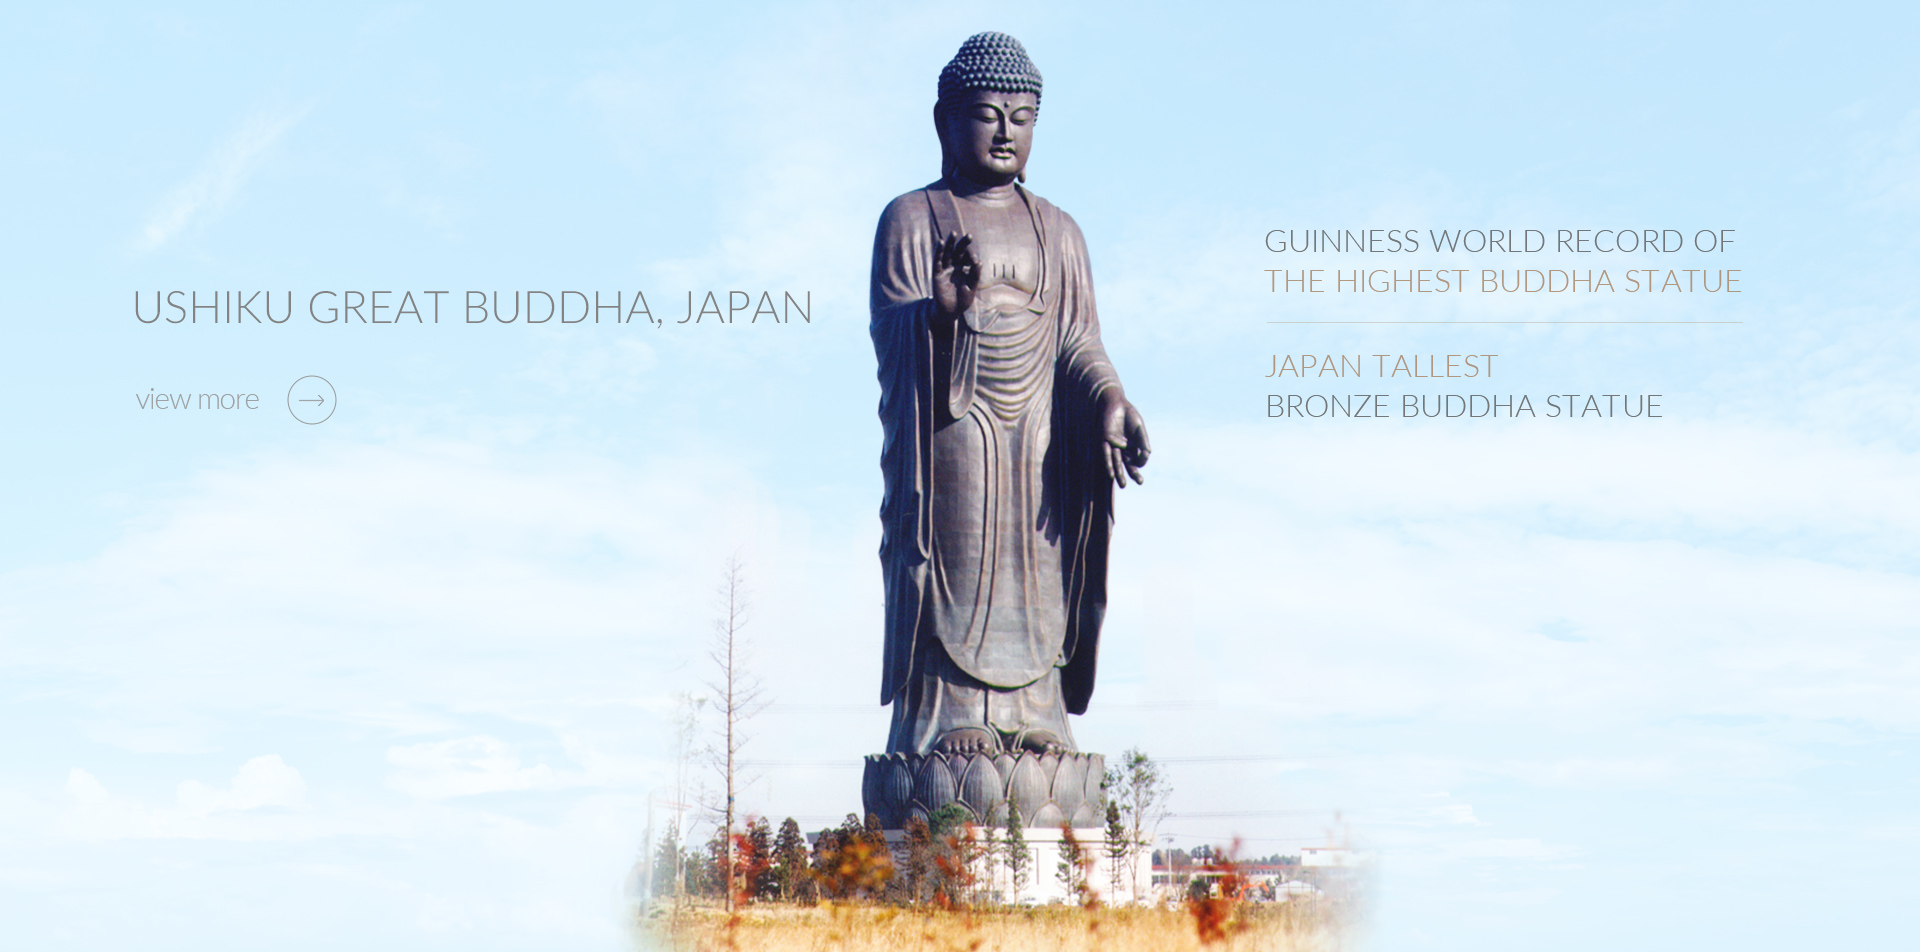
{"x":1047,"y":789}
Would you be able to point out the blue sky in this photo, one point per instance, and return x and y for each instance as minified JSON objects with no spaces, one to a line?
{"x":406,"y":679}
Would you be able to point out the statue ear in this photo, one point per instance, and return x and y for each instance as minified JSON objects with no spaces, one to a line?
{"x":947,"y":167}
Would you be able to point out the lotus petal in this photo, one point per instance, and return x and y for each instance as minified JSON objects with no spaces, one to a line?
{"x":1027,"y":787}
{"x":1096,"y":773}
{"x":1087,"y":816}
{"x":935,"y":786}
{"x":980,"y":787}
{"x":896,"y":788}
{"x":1069,"y":784}
{"x":1047,"y":817}
{"x":1003,"y":765}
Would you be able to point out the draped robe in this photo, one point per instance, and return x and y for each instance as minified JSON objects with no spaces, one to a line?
{"x":998,"y":504}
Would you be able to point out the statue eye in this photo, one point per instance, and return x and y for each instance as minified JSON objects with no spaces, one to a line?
{"x":1021,"y":117}
{"x":986,"y":114}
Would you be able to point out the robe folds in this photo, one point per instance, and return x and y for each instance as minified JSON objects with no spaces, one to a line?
{"x":998,"y":505}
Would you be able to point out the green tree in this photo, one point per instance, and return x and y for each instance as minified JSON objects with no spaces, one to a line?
{"x":790,"y":862}
{"x":754,"y":859}
{"x":713,"y":880}
{"x":919,"y":858}
{"x":1119,"y":848}
{"x":992,"y":847}
{"x":1142,"y":790}
{"x":953,"y":852}
{"x":1019,"y":861}
{"x":947,"y":819}
{"x":847,"y":864}
{"x":666,"y":863}
{"x":826,"y":863}
{"x":1072,"y":869}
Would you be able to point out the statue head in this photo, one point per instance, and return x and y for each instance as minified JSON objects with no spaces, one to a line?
{"x":989,"y":100}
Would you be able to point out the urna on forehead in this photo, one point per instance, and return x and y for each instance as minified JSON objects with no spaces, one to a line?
{"x":993,"y":61}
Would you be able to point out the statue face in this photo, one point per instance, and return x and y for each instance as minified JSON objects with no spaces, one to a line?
{"x":989,"y":133}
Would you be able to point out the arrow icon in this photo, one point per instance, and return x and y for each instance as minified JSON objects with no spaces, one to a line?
{"x":324,"y":401}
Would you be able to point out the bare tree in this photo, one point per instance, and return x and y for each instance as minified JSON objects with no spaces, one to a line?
{"x":1142,"y":790}
{"x":686,"y":729}
{"x":736,"y":695}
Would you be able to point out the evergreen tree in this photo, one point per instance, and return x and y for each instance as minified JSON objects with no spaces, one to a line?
{"x":666,"y":864}
{"x":713,"y":871}
{"x":1018,"y":860}
{"x":1119,"y":847}
{"x":891,"y":888}
{"x":754,"y":877}
{"x":790,"y":861}
{"x":992,"y":848}
{"x":848,"y":864}
{"x":826,"y":862}
{"x":948,"y":819}
{"x":919,"y":859}
{"x":1071,"y":871}
{"x":951,"y":854}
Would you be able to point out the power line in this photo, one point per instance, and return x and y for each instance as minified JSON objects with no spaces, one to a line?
{"x":1213,"y":815}
{"x":1237,"y":759}
{"x":1218,"y":759}
{"x":801,"y":763}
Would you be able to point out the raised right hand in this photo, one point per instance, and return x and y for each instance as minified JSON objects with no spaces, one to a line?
{"x":955,"y":275}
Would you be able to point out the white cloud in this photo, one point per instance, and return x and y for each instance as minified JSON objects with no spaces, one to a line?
{"x":200,"y":811}
{"x":1745,"y":575}
{"x":464,"y":767}
{"x":221,"y":174}
{"x":84,"y":788}
{"x":261,"y":782}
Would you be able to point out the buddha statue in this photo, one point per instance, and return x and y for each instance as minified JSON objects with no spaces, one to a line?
{"x":1006,"y":432}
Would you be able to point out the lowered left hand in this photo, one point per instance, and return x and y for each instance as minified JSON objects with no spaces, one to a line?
{"x":1126,"y":447}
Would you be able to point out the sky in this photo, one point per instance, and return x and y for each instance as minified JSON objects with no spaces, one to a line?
{"x":408,"y":678}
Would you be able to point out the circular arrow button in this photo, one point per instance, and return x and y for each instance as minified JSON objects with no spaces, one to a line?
{"x":311,"y":399}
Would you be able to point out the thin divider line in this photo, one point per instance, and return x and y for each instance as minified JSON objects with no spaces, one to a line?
{"x":1506,"y":322}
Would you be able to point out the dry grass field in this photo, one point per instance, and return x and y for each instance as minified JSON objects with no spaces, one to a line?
{"x":860,"y":928}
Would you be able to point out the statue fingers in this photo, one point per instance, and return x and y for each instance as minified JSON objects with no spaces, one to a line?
{"x":1137,"y":432}
{"x":964,"y":263}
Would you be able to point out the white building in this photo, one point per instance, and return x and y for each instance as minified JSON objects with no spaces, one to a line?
{"x":1043,"y":882}
{"x":1330,"y":856}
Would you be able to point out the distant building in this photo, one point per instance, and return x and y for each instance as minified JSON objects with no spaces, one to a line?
{"x":1324,"y":856}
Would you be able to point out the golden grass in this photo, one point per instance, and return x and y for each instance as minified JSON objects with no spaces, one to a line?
{"x":859,"y":928}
